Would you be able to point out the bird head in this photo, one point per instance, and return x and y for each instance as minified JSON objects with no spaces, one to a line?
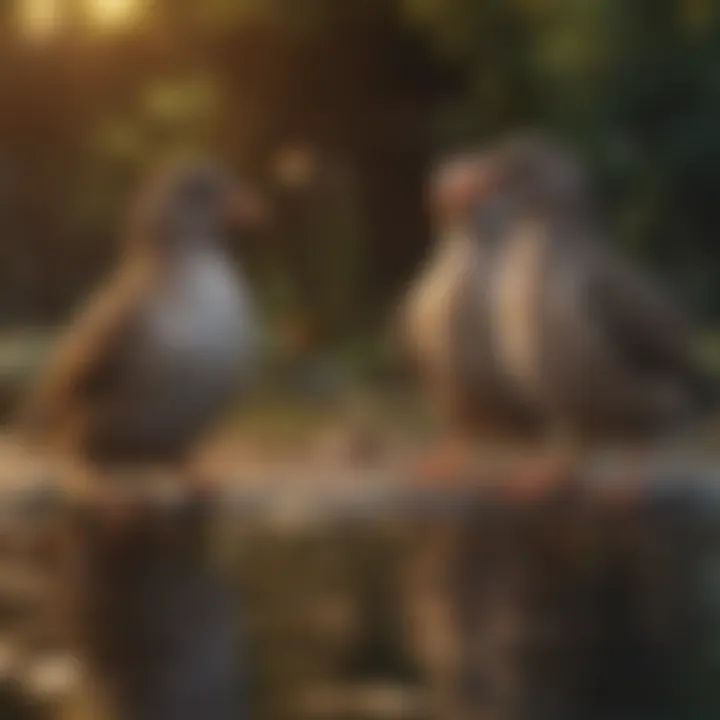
{"x":455,"y":188}
{"x":194,"y":204}
{"x":531,"y":176}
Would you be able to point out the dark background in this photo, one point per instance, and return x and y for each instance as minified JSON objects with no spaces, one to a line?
{"x":360,"y":97}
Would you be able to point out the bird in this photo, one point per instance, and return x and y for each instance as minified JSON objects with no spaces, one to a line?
{"x":528,"y":330}
{"x":162,"y":350}
{"x":443,"y":325}
{"x":598,"y":356}
{"x":591,"y":344}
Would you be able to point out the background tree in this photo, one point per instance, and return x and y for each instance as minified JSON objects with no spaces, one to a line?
{"x":380,"y":87}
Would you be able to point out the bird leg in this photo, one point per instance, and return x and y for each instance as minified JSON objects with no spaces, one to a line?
{"x":103,"y":496}
{"x":202,"y":478}
{"x":119,"y":497}
{"x":447,"y":464}
{"x":554,"y":468}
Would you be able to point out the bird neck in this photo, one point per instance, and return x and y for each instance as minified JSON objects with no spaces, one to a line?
{"x":165,"y":261}
{"x":178,"y":250}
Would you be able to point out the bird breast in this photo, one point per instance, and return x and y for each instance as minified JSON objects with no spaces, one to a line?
{"x":191,"y":353}
{"x":201,"y":318}
{"x":432,"y":301}
{"x":516,"y":305}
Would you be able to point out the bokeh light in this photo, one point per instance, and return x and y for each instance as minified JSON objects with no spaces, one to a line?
{"x":112,"y":13}
{"x":40,"y":18}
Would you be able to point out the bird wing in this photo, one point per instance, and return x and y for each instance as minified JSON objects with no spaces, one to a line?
{"x":641,"y":326}
{"x":398,"y":335}
{"x":89,"y":358}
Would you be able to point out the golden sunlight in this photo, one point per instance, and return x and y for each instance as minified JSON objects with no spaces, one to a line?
{"x":40,"y":18}
{"x":112,"y":13}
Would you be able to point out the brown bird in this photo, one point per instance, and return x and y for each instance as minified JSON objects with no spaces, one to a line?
{"x":525,"y":326}
{"x":445,"y":324}
{"x":157,"y":356}
{"x":587,"y":342}
{"x":597,"y":356}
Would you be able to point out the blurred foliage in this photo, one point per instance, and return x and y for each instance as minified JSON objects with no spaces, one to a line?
{"x":168,"y":118}
{"x":375,"y":89}
{"x":632,"y":84}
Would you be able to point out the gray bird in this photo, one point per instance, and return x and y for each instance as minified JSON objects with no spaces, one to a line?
{"x":161,"y":351}
{"x":445,"y":323}
{"x":586,"y":340}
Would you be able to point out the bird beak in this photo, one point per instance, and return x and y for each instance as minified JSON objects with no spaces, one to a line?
{"x":247,"y":209}
{"x":462,"y":186}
